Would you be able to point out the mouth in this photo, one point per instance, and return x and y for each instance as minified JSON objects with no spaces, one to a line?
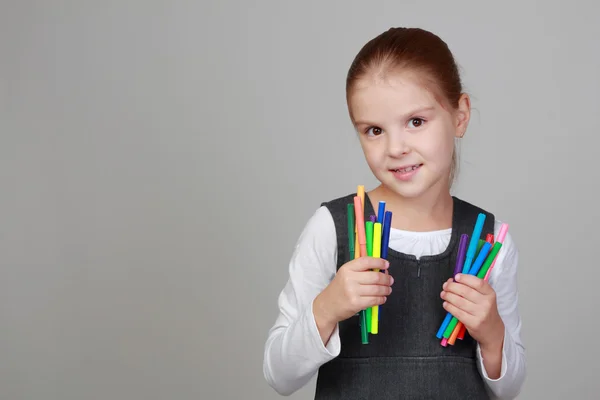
{"x":406,"y":169}
{"x":407,"y":172}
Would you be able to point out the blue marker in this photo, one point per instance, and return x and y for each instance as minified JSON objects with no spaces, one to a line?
{"x":381,"y":212}
{"x":385,"y":240}
{"x":480,"y":258}
{"x":440,"y":331}
{"x":473,"y":243}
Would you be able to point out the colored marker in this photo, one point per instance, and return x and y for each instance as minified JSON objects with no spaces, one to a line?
{"x":485,"y":249}
{"x":479,"y":246}
{"x":362,"y":240}
{"x":488,"y":262}
{"x":360,"y":226}
{"x":369,"y":234}
{"x":460,"y":258}
{"x":385,"y":241}
{"x":479,"y":261}
{"x":369,"y":319}
{"x":459,"y":329}
{"x":476,"y":266}
{"x":351,"y":227}
{"x":454,"y":334}
{"x":381,"y":212}
{"x":369,"y":310}
{"x":501,"y":237}
{"x":473,"y":243}
{"x":462,"y":251}
{"x":462,"y":331}
{"x":474,"y":269}
{"x":360,"y":192}
{"x":376,"y":254}
{"x":385,"y":236}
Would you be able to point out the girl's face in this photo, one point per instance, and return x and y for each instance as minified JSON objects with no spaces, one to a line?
{"x":405,"y":133}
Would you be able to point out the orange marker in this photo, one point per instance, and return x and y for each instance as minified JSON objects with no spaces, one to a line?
{"x":454,"y":334}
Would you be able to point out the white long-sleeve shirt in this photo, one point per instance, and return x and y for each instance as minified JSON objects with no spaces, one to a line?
{"x":294,"y":350}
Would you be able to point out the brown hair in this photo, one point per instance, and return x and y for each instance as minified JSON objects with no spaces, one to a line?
{"x":411,"y":49}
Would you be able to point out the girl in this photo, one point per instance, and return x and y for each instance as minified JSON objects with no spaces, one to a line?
{"x":405,"y":100}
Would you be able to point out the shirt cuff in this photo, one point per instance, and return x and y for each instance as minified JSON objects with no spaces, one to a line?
{"x":333,"y":347}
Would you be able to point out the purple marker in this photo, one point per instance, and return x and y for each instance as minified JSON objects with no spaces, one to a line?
{"x":372,"y":218}
{"x":462,"y":251}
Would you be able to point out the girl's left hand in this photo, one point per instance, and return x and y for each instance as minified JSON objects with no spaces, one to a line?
{"x":473,"y":302}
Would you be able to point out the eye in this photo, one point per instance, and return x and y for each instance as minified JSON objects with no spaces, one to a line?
{"x":375,"y":131}
{"x":416,"y":122}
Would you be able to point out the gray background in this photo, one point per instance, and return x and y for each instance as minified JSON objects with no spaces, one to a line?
{"x":158,"y":161}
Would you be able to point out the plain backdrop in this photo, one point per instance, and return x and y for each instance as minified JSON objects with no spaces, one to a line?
{"x":158,"y":160}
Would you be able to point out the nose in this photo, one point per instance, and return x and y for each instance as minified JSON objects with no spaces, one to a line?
{"x":397,"y":145}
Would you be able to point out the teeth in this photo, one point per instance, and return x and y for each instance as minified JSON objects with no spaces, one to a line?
{"x":407,"y":169}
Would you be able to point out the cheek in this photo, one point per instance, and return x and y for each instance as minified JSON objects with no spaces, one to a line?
{"x":441,"y":145}
{"x":373,"y":155}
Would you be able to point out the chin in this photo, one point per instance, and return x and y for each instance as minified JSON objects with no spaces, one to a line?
{"x":409,"y":190}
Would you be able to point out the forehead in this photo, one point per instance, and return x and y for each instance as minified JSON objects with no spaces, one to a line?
{"x":378,"y":98}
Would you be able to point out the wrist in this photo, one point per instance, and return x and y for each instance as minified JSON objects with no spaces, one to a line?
{"x":495,"y":341}
{"x":326,"y":324}
{"x":322,"y":312}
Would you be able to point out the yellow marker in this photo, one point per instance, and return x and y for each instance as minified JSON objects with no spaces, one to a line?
{"x":360,"y":192}
{"x":376,"y":254}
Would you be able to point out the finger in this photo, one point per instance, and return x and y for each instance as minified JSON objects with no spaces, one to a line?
{"x":368,"y":263}
{"x":459,"y":302}
{"x":461,"y":315}
{"x":370,"y":301}
{"x":374,"y":290}
{"x":464,"y":291}
{"x":474,"y":282}
{"x":374,"y":278}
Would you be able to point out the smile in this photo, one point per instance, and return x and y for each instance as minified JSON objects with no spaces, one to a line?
{"x":406,"y":174}
{"x":410,"y":168}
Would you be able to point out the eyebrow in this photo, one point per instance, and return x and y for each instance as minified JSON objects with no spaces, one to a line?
{"x":413,"y":112}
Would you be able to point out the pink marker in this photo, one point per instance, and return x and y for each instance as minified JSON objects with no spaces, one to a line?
{"x":501,"y":236}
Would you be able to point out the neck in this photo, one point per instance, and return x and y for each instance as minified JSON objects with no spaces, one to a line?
{"x":432,"y":211}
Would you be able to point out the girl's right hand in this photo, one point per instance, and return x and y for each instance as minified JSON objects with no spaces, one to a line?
{"x":354,"y":288}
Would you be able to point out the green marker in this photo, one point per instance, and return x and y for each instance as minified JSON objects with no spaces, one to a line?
{"x":351,"y":230}
{"x":369,"y":235}
{"x":489,"y":260}
{"x":450,"y":327}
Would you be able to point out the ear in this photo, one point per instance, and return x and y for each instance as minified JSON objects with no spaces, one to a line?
{"x":462,"y":115}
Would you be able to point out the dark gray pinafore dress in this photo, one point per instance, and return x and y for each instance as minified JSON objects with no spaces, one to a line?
{"x":405,"y":359}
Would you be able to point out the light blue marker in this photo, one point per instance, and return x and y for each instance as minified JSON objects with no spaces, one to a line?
{"x":473,"y":243}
